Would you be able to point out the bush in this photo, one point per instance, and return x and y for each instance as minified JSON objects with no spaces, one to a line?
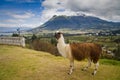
{"x":15,"y":35}
{"x":33,"y":37}
{"x":53,"y":41}
{"x":117,"y":53}
{"x":44,"y":46}
{"x":106,"y":55}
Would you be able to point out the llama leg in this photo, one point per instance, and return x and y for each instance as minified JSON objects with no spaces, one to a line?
{"x":96,"y":68}
{"x":71,"y":66}
{"x":88,"y":65}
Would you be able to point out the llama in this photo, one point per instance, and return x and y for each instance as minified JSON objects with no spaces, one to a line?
{"x":78,"y":51}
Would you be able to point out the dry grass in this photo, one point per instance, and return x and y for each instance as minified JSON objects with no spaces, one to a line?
{"x":18,"y":63}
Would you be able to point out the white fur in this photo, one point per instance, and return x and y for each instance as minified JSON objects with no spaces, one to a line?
{"x":63,"y":48}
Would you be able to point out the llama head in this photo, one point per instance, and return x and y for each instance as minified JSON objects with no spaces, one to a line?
{"x":58,"y":34}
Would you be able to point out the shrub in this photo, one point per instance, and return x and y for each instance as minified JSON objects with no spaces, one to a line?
{"x":117,"y":50}
{"x":53,"y":41}
{"x":15,"y":35}
{"x":107,"y":55}
{"x":44,"y":46}
{"x":33,"y":37}
{"x":117,"y":53}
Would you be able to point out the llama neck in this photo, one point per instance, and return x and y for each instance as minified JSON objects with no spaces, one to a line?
{"x":61,"y":46}
{"x":61,"y":41}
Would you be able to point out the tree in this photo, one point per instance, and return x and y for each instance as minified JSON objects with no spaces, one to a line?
{"x":53,"y":41}
{"x":34,"y":37}
{"x":15,"y":35}
{"x":117,"y":51}
{"x":67,"y":40}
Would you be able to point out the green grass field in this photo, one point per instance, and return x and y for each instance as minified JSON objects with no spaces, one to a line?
{"x":18,"y":63}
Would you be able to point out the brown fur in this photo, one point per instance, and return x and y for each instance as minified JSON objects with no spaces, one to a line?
{"x":81,"y":51}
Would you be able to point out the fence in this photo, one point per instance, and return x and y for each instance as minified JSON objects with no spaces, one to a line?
{"x":20,"y":41}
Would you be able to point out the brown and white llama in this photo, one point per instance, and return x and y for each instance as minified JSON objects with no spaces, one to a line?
{"x":79,"y":51}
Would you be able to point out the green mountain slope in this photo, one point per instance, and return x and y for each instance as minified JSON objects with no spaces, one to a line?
{"x":18,"y":63}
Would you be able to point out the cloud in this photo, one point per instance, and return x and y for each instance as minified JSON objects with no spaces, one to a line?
{"x":18,"y":25}
{"x":19,"y":19}
{"x":47,"y":14}
{"x":14,"y":20}
{"x":22,"y":1}
{"x":21,"y":15}
{"x":102,"y":8}
{"x":54,"y":7}
{"x":7,"y":25}
{"x":106,"y":9}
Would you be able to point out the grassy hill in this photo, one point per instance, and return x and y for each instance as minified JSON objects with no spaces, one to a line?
{"x":18,"y":63}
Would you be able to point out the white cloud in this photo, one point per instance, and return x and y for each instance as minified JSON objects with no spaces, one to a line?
{"x":102,"y":8}
{"x":22,"y":16}
{"x":7,"y":25}
{"x":106,"y":9}
{"x":19,"y":19}
{"x":47,"y":14}
{"x":22,"y":1}
{"x":18,"y":25}
{"x":14,"y":20}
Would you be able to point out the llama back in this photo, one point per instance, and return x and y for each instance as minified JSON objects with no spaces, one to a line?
{"x":81,"y":51}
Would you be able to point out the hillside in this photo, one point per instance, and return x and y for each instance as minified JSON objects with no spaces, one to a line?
{"x":76,"y":23}
{"x":18,"y":63}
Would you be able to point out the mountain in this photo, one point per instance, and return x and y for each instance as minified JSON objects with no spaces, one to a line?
{"x":77,"y":23}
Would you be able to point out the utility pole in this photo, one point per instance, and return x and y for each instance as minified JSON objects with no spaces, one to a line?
{"x":18,"y":30}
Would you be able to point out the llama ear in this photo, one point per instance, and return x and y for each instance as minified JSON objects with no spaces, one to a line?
{"x":57,"y":31}
{"x":61,"y":33}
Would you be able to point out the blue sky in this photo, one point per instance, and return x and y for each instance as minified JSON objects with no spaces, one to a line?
{"x":20,"y":13}
{"x":33,"y":13}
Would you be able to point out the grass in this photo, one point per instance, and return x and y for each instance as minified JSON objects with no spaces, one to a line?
{"x":110,"y":62}
{"x":18,"y":63}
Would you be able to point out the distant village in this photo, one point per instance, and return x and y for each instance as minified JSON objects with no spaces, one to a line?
{"x":104,"y":33}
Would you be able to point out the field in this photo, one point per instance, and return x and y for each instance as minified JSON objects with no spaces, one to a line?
{"x":18,"y":63}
